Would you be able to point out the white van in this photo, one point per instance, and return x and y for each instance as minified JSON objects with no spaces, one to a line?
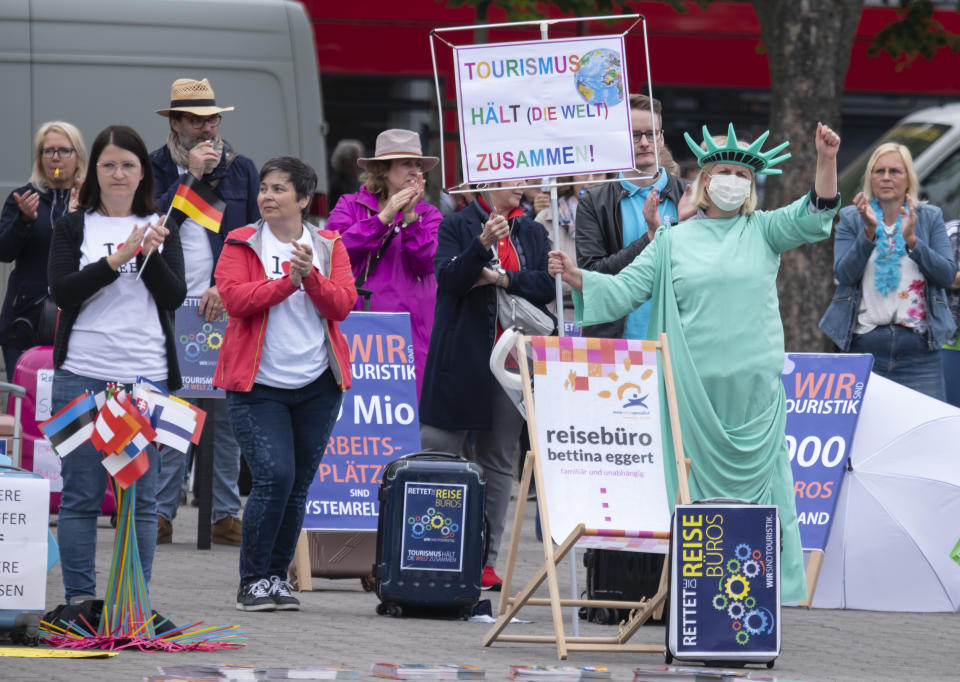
{"x":99,"y":62}
{"x":933,"y":137}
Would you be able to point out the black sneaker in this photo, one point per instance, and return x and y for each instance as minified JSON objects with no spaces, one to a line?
{"x":281,"y":595}
{"x":255,"y":596}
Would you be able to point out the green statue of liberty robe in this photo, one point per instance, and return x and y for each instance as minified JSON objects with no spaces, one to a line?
{"x":714,"y":292}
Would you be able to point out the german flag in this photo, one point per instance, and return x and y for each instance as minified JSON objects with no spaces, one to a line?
{"x":195,"y":200}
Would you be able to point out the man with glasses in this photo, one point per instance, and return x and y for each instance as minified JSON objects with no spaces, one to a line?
{"x":616,"y":220}
{"x":194,"y":146}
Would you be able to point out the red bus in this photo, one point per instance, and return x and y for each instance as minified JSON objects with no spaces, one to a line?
{"x":376,"y":69}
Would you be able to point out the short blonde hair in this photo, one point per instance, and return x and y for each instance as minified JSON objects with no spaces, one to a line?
{"x":68,"y":130}
{"x":374,"y":177}
{"x":699,"y":192}
{"x":913,"y":184}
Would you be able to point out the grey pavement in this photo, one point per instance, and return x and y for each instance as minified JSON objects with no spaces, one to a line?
{"x":338,"y":626}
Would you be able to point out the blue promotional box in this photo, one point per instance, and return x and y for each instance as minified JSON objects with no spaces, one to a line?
{"x":725,"y":583}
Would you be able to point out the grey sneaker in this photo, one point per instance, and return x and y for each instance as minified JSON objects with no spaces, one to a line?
{"x":282,"y":596}
{"x":255,"y":597}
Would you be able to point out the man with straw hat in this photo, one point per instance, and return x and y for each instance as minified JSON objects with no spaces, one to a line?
{"x":194,"y":146}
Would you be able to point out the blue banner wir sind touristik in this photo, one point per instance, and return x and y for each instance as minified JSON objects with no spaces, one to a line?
{"x":824,"y":395}
{"x":377,"y":423}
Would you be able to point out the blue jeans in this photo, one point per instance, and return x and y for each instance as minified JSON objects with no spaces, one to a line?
{"x":951,"y":375}
{"x":902,"y":355}
{"x":226,"y":471}
{"x":282,"y":434}
{"x":84,"y":484}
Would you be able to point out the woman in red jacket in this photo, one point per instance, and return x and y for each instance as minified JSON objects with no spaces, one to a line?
{"x":284,"y":364}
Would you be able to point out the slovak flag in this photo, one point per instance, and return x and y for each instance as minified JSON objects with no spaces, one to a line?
{"x":177,"y":422}
{"x":72,"y":426}
{"x":142,"y":417}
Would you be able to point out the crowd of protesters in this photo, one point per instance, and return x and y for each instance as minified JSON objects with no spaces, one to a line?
{"x":80,"y":231}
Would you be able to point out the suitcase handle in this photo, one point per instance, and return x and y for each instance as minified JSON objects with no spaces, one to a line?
{"x":14,"y":389}
{"x":435,"y":456}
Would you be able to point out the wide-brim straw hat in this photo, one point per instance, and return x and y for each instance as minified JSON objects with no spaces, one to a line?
{"x":399,"y":144}
{"x":193,"y":97}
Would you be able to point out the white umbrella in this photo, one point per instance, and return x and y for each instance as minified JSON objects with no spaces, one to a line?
{"x":898,"y":515}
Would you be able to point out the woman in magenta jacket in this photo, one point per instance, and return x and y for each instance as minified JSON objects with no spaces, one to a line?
{"x":391,"y":235}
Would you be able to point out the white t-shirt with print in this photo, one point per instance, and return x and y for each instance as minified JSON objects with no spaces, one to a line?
{"x":117,"y":335}
{"x":294,"y":350}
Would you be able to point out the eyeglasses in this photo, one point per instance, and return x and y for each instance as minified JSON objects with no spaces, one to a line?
{"x":110,"y":167}
{"x":63,"y":152}
{"x":201,"y":121}
{"x":649,"y":134}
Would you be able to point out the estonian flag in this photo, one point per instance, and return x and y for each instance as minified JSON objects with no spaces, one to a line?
{"x":72,"y":426}
{"x":195,"y":200}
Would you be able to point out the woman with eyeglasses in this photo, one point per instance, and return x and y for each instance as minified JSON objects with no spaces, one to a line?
{"x":893,"y":263}
{"x":113,"y":328}
{"x":59,"y":160}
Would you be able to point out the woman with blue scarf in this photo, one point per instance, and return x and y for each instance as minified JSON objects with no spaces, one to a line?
{"x":893,"y":261}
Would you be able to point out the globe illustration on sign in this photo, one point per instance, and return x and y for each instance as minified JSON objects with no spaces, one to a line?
{"x":600,"y":77}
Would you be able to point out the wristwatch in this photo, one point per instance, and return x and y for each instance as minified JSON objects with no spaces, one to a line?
{"x":824,"y":204}
{"x":416,"y":217}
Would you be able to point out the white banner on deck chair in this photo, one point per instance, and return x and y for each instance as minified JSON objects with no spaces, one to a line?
{"x":543,"y":108}
{"x":598,"y":433}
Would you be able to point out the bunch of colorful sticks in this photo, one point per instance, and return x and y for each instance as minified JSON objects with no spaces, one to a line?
{"x":127,"y":620}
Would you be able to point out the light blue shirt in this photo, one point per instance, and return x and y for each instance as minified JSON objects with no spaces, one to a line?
{"x":634,"y":227}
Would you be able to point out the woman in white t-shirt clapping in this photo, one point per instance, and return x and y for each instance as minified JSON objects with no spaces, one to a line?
{"x":284,"y":364}
{"x":113,"y":327}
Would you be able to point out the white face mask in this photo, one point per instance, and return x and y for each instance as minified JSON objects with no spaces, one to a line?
{"x":728,"y":192}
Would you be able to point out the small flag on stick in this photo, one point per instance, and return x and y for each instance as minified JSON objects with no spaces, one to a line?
{"x":195,"y":200}
{"x":72,"y":426}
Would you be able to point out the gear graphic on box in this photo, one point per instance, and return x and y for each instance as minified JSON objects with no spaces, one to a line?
{"x":733,"y":566}
{"x":719,"y":601}
{"x":737,"y":587}
{"x":743,"y":637}
{"x":742,"y":551}
{"x":755,"y":621}
{"x":751,"y":568}
{"x":736,"y":610}
{"x":432,"y":522}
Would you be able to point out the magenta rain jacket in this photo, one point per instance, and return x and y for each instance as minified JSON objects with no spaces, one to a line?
{"x":403,"y":280}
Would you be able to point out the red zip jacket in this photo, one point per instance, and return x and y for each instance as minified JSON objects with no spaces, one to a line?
{"x":248,"y":295}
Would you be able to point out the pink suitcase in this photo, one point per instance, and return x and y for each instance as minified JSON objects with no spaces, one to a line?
{"x":25,"y":374}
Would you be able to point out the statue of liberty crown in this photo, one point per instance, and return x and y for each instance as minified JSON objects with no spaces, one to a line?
{"x":760,"y":162}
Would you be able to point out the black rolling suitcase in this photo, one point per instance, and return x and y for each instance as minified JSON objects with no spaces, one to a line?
{"x":724,"y":583}
{"x":619,"y":576}
{"x":430,"y":536}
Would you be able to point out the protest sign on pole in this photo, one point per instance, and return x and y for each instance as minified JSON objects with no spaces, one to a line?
{"x":377,"y":423}
{"x":543,"y":108}
{"x":824,"y":393}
